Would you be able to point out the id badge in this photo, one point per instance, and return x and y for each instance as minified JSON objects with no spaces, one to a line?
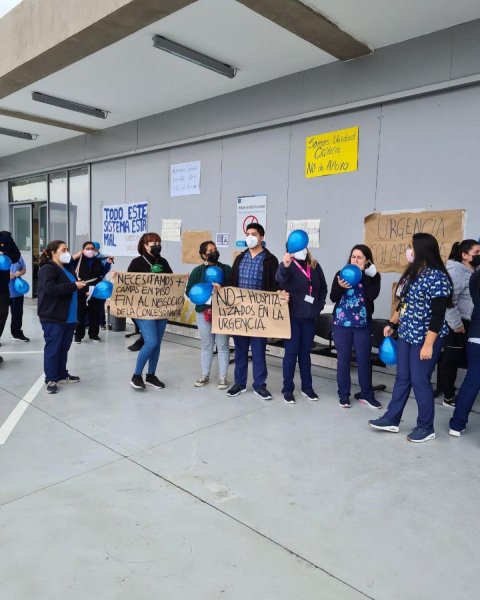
{"x":309,"y":298}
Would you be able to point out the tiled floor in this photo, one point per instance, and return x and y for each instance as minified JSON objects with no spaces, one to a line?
{"x":183,"y":493}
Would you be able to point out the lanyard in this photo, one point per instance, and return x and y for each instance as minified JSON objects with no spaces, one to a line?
{"x":306,"y":273}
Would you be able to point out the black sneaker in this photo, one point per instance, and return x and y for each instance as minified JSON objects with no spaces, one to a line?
{"x":95,"y":338}
{"x":371,"y":402}
{"x":20,"y":338}
{"x":344,"y":402}
{"x":136,"y":346}
{"x":78,"y":340}
{"x":310,"y":394}
{"x":236,"y":390}
{"x":154,"y":382}
{"x":449,"y":402}
{"x":70,"y":379}
{"x":137,"y":382}
{"x":52,"y":387}
{"x":263,"y":393}
{"x":289,"y":398}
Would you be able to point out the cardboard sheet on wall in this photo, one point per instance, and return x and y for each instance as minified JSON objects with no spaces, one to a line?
{"x":191,"y":241}
{"x":237,"y":311}
{"x":388,"y":234}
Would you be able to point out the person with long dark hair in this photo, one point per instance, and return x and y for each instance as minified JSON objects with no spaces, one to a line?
{"x":462,"y":262}
{"x":302,"y":277}
{"x":425,"y":291}
{"x":352,"y":326}
{"x":471,"y":384}
{"x":57,"y":311}
{"x":149,"y":261}
{"x":210,"y":255}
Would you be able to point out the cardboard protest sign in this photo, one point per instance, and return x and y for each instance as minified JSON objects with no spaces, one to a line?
{"x":253,"y":313}
{"x":389,"y":234}
{"x":191,"y":241}
{"x":147,"y":295}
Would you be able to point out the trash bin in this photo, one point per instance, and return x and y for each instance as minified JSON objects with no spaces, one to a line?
{"x":116,"y":323}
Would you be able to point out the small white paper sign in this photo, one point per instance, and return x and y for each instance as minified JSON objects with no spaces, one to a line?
{"x":185,"y":179}
{"x":171,"y":230}
{"x":311,"y":226}
{"x":222,"y":239}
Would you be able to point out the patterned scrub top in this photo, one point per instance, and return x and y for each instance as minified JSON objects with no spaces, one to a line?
{"x":351,"y":310}
{"x":416,"y":311}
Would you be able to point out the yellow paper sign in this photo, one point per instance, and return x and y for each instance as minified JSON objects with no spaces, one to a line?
{"x":331,"y":153}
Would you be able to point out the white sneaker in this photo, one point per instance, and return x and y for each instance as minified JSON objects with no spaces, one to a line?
{"x":455,"y":433}
{"x":222,"y":383}
{"x":201,"y":381}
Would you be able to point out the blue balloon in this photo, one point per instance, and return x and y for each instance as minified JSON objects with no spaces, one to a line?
{"x":297,"y":240}
{"x":20,"y":286}
{"x":5,"y":262}
{"x":351,"y":274}
{"x":214,"y":275}
{"x":200,"y":293}
{"x":103,"y":290}
{"x":388,"y":351}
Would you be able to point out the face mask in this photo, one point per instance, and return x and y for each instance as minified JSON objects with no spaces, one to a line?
{"x":301,"y":254}
{"x":89,"y":253}
{"x":65,"y":258}
{"x":213,"y":256}
{"x":409,"y":255}
{"x":251,"y":241}
{"x":156,"y":250}
{"x":371,"y":270}
{"x":475,"y":262}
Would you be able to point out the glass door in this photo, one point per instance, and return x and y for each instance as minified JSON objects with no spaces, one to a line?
{"x":23,"y":236}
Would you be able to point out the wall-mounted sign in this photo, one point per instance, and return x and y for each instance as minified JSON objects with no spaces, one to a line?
{"x":331,"y":153}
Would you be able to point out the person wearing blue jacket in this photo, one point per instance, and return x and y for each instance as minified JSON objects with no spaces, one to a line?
{"x":10,"y":249}
{"x":17,"y":269}
{"x":471,"y":384}
{"x":302,"y":277}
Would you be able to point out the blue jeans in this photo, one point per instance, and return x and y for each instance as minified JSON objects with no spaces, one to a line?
{"x":208,"y":340}
{"x":58,"y":339}
{"x":152,"y":332}
{"x":416,"y":373}
{"x":259,"y":363}
{"x":345,"y":339}
{"x":468,"y":390}
{"x":298,"y":347}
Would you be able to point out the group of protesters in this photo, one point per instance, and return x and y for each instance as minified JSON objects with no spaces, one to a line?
{"x":437,"y":309}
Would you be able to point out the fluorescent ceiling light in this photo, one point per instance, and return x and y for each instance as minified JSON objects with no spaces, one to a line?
{"x":193,"y":56}
{"x":18,"y":134}
{"x":69,"y":105}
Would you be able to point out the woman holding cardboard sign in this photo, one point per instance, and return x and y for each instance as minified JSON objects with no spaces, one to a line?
{"x":210,"y":255}
{"x":149,"y":261}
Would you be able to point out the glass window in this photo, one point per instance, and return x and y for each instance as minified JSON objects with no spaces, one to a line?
{"x":33,"y":189}
{"x":22,"y":227}
{"x":57,"y":209}
{"x":79,"y":209}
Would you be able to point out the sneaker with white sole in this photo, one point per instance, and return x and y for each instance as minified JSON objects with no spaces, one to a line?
{"x":153,"y":381}
{"x":201,"y":381}
{"x":52,"y":387}
{"x":421,"y":434}
{"x":137,"y":382}
{"x":455,"y":432}
{"x":383,"y":424}
{"x":449,"y":402}
{"x":372,"y":403}
{"x":344,"y":402}
{"x":236,"y":390}
{"x":289,"y":398}
{"x":310,"y":394}
{"x":70,"y":379}
{"x":262,"y":393}
{"x":222,"y":383}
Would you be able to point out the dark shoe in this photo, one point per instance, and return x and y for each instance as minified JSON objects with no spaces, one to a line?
{"x":20,"y":338}
{"x":137,"y":382}
{"x":263,"y":393}
{"x":437,"y":392}
{"x":372,"y":403}
{"x":95,"y":338}
{"x":104,"y":327}
{"x":384,"y":424}
{"x":1,"y":359}
{"x":421,"y":434}
{"x":136,"y":346}
{"x":236,"y":390}
{"x":345,"y":402}
{"x":70,"y":379}
{"x":310,"y":394}
{"x":52,"y":387}
{"x":154,"y":381}
{"x":449,"y":402}
{"x":289,"y":398}
{"x":78,"y":340}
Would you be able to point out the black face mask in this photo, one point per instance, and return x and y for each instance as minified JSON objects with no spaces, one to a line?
{"x":213,"y":256}
{"x":156,"y":250}
{"x":475,"y":262}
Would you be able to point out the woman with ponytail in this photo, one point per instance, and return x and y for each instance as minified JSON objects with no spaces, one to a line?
{"x":462,"y":262}
{"x":57,"y":311}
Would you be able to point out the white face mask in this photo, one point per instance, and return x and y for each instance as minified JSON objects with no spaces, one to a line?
{"x":371,"y":271}
{"x":301,"y":254}
{"x":251,"y":241}
{"x":65,"y":258}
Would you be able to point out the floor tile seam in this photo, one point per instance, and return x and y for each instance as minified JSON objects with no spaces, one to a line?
{"x":250,"y":528}
{"x":66,"y":480}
